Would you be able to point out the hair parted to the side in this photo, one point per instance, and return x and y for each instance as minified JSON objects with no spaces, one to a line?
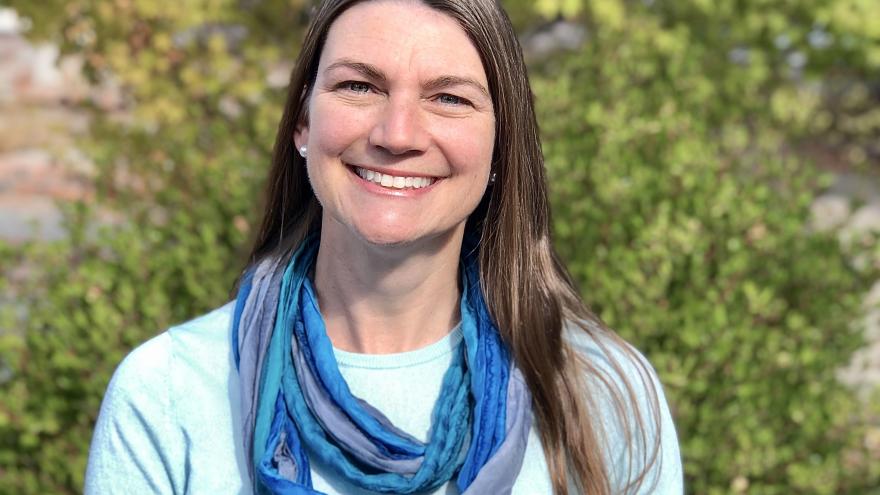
{"x":527,"y":288}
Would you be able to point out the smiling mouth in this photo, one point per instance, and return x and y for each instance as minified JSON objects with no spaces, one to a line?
{"x":394,"y":181}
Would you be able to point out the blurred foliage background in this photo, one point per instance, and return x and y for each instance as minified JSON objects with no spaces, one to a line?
{"x":680,"y":137}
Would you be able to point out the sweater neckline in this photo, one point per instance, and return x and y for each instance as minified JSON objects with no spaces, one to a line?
{"x":430,"y":352}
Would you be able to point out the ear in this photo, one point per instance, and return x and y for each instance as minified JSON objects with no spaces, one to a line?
{"x":301,"y":134}
{"x":301,"y":131}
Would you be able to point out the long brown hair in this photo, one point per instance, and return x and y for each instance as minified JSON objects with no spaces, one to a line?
{"x":527,"y":288}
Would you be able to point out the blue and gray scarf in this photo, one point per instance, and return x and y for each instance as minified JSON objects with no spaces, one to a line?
{"x":296,"y":404}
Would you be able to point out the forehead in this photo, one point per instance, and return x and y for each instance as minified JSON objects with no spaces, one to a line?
{"x":403,"y":35}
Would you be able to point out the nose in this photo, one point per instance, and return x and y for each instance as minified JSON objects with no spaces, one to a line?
{"x":399,"y":128}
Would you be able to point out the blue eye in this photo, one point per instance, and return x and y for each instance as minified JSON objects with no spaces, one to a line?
{"x":448,"y":99}
{"x":357,"y":87}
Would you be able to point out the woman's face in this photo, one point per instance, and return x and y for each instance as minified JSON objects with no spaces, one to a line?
{"x":400,"y":128}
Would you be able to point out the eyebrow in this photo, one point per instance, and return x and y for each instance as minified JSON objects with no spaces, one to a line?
{"x":376,"y":74}
{"x":367,"y":70}
{"x":446,"y":81}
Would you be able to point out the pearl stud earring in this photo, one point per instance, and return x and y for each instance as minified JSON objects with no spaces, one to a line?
{"x":493,"y":177}
{"x":303,"y":151}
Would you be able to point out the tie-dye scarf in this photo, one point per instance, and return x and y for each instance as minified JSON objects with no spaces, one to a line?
{"x":294,"y":399}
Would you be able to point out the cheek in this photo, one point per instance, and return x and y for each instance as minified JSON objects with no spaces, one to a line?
{"x":470,"y":146}
{"x":333,"y":129}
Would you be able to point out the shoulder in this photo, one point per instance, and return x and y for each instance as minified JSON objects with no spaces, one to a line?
{"x":145,"y":374}
{"x":143,"y":428}
{"x":189,"y":363}
{"x":133,"y":431}
{"x":208,"y":322}
{"x":610,"y":359}
{"x":142,"y":371}
{"x":148,"y":367}
{"x":203,"y":344}
{"x":636,"y":424}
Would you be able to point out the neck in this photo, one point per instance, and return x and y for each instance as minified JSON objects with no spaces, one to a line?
{"x":387,"y":299}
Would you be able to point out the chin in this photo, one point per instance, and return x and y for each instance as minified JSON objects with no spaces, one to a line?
{"x":408,"y":238}
{"x":387,"y":237}
{"x":386,"y":228}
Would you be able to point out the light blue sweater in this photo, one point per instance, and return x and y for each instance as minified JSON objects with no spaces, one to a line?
{"x":169,"y":421}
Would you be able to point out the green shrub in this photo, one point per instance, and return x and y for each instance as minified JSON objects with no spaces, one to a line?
{"x":686,"y":225}
{"x":677,"y":210}
{"x":177,"y":186}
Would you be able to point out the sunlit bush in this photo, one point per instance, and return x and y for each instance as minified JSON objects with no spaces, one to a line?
{"x":679,"y":206}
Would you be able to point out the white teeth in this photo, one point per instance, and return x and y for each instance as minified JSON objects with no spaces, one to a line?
{"x":392,"y":181}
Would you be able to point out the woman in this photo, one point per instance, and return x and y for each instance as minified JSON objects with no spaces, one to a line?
{"x":404,"y":325}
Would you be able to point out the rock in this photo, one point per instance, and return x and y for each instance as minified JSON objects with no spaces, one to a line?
{"x":829,"y":212}
{"x":855,"y":186}
{"x":556,"y":36}
{"x":31,"y":181}
{"x":39,"y":162}
{"x":27,"y":216}
{"x":21,"y":169}
{"x":279,"y":74}
{"x":40,"y":126}
{"x":863,"y":372}
{"x":872,"y":318}
{"x":10,"y":22}
{"x":866,"y":219}
{"x":862,"y":226}
{"x":35,"y":74}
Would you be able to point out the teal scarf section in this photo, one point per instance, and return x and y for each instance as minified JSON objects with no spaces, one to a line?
{"x":296,"y":404}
